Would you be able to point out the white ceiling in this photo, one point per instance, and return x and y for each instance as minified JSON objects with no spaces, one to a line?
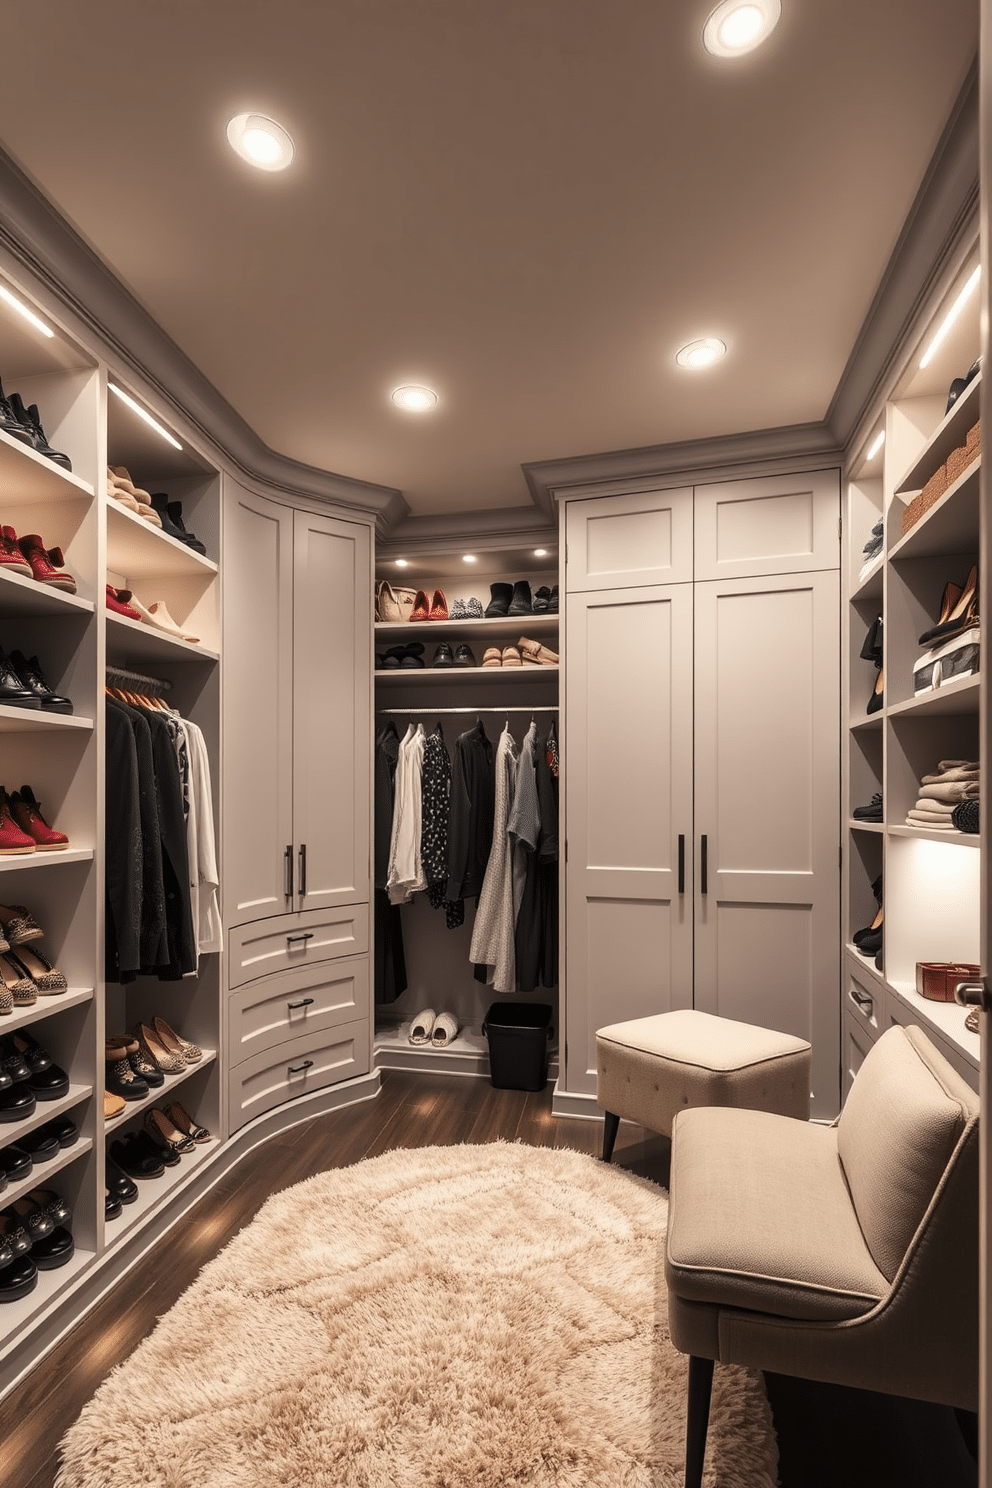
{"x":528,"y":204}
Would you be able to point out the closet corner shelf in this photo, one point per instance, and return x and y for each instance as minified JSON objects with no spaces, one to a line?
{"x":949,"y":526}
{"x":468,"y":1052}
{"x":21,"y":596}
{"x":947,"y":1018}
{"x":153,"y":1193}
{"x":870,"y":587}
{"x":35,"y":720}
{"x":869,"y":723}
{"x":502,"y":676}
{"x":420,"y":630}
{"x":948,"y":435}
{"x":31,"y":862}
{"x":134,"y":641}
{"x":956,"y":839}
{"x":29,"y":477}
{"x":155,"y":1097}
{"x":958,"y":696}
{"x":865,"y":826}
{"x":46,"y":1006}
{"x":137,"y":549}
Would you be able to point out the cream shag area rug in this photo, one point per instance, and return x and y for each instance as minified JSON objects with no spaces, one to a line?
{"x":449,"y":1317}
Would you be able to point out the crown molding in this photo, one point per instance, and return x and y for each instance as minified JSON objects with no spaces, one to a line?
{"x":699,"y":459}
{"x":941,"y":227}
{"x":39,"y":239}
{"x":491,"y":530}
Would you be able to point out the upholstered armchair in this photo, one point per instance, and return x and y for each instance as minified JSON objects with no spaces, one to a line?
{"x":847,"y":1254}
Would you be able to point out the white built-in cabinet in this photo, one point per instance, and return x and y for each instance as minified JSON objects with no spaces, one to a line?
{"x":297,"y":761}
{"x":701,"y":696}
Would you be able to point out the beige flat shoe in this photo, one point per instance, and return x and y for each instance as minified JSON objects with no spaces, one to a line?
{"x":511,"y":656}
{"x":157,"y":614}
{"x":492,"y":657}
{"x":120,"y":493}
{"x":120,"y":476}
{"x":543,"y":655}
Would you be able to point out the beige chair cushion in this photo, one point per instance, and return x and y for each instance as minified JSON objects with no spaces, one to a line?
{"x":761,"y":1219}
{"x":648,"y":1069}
{"x":903,"y":1117}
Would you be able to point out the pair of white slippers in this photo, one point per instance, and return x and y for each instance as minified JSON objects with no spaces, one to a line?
{"x":436,"y":1029}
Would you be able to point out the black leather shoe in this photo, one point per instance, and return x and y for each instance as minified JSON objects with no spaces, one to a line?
{"x":30,"y":676}
{"x":14,"y":1233}
{"x":18,"y":1279}
{"x":12,"y":1060}
{"x":175,"y":510}
{"x":464,"y":656}
{"x":443,"y":656}
{"x":13,"y":693}
{"x":30,"y":420}
{"x":52,"y":1204}
{"x":522,"y":602}
{"x":57,"y":1250}
{"x":120,"y":1185}
{"x":119,"y":1077}
{"x":48,"y":1080}
{"x":160,"y":503}
{"x":17,"y":1103}
{"x":542,"y":598}
{"x":16,"y":1162}
{"x":32,"y":1216}
{"x":111,"y":1206}
{"x":498,"y":607}
{"x":63,"y":1129}
{"x":40,"y":1145}
{"x":10,"y":423}
{"x":138,"y":1161}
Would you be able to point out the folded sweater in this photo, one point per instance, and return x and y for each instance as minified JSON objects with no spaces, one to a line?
{"x":953,"y":791}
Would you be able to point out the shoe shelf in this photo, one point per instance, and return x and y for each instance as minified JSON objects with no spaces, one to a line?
{"x":32,"y":862}
{"x":22,"y":596}
{"x":42,"y":1172}
{"x":31,"y":720}
{"x":132,"y":640}
{"x":35,"y":478}
{"x":950,"y":525}
{"x":448,"y":676}
{"x":467,"y":1053}
{"x":960,"y":695}
{"x":139,"y":550}
{"x":19,"y":1316}
{"x":863,"y":826}
{"x":949,"y":434}
{"x":507,"y":627}
{"x":44,"y":1008}
{"x":154,"y":1193}
{"x":954,"y":839}
{"x":157,"y":1097}
{"x":945,"y":1018}
{"x":870,"y":589}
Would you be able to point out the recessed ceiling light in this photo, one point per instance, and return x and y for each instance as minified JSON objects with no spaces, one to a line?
{"x":876,"y":445}
{"x":144,"y":414}
{"x":540,"y":552}
{"x":701,"y":353}
{"x":414,"y":399}
{"x":29,"y":315}
{"x":401,"y":563}
{"x":469,"y":558}
{"x":738,"y":26}
{"x":261,"y":141}
{"x":951,"y":316}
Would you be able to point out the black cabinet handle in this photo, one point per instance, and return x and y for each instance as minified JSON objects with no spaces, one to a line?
{"x":303,"y":870}
{"x":862,"y":999}
{"x":703,"y":845}
{"x":681,"y":862}
{"x":304,"y":935}
{"x":289,"y":871}
{"x":304,"y":1002}
{"x":297,"y":1069}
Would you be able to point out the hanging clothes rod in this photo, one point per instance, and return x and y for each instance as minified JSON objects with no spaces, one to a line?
{"x":541,"y":708}
{"x":127,"y":678}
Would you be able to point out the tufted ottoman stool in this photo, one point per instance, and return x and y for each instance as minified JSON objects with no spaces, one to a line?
{"x":650,"y":1068}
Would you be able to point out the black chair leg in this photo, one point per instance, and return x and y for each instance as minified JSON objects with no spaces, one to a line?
{"x":700,"y":1385}
{"x":610,"y":1128}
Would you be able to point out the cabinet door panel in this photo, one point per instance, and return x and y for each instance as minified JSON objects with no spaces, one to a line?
{"x":258,"y":705}
{"x":628,"y":754}
{"x":635,"y":539}
{"x":767,"y":802}
{"x":332,"y":714}
{"x":770,"y":524}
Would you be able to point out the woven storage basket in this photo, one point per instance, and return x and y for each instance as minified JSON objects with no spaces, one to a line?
{"x":974,"y":440}
{"x":932,"y":492}
{"x":958,"y":461}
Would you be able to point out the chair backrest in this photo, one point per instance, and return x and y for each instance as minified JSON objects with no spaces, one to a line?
{"x":908,"y":1116}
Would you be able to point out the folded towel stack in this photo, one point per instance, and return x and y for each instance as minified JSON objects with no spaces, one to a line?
{"x":955,"y":781}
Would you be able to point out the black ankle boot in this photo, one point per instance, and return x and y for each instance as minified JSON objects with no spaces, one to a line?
{"x":499,"y":606}
{"x":160,"y":503}
{"x":175,"y":510}
{"x":521,"y":603}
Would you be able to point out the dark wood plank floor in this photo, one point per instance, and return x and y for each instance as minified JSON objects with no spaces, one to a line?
{"x":825,"y":1436}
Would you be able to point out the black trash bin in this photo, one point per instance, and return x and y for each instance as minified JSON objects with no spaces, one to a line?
{"x":519,"y":1034}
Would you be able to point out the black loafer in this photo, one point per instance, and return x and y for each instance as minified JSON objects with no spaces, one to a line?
{"x":52,"y":1204}
{"x":57,"y":1250}
{"x":17,"y":1103}
{"x":33,"y":1217}
{"x":119,"y":1184}
{"x":443,"y":656}
{"x":143,"y":1161}
{"x":50,"y":1084}
{"x":40,"y":1145}
{"x":63,"y":1128}
{"x":111,"y":1206}
{"x":15,"y":1162}
{"x":18,"y":1279}
{"x":464,"y":656}
{"x":13,"y":1061}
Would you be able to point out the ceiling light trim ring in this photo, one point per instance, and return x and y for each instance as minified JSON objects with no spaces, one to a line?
{"x":260,"y":141}
{"x":704,"y":352}
{"x":736,"y":27}
{"x":414,"y":398}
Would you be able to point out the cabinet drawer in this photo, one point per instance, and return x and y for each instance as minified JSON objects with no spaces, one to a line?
{"x":288,"y":942}
{"x":864,"y":1005}
{"x":297,"y":1003}
{"x":297,"y":1068}
{"x":857,"y":1041}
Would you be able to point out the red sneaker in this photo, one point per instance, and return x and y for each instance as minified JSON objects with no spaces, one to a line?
{"x":47,"y":564}
{"x":26,"y":812}
{"x":117,"y":600}
{"x":12,"y":839}
{"x":10,"y":554}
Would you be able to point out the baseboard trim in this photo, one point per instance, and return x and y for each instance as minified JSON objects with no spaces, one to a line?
{"x":572,"y":1103}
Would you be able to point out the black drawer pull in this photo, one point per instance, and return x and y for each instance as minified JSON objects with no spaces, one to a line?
{"x":862,"y":999}
{"x":289,"y":871}
{"x":303,"y":871}
{"x":305,"y":1002}
{"x":703,"y":855}
{"x":305,"y":935}
{"x":297,"y":1069}
{"x":681,"y":862}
